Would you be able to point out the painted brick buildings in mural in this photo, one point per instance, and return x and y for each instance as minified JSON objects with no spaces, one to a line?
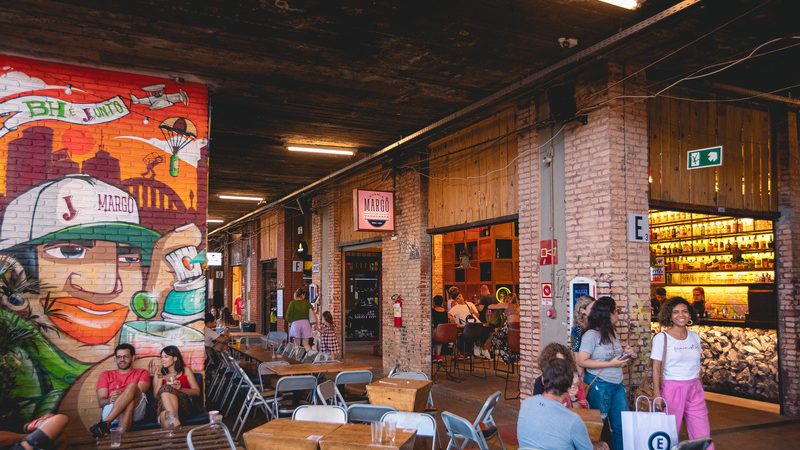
{"x":103,"y":199}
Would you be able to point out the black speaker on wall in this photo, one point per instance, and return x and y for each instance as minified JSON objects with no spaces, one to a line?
{"x":562,"y":102}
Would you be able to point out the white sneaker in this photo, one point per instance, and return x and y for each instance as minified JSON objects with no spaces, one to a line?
{"x":476,"y":351}
{"x":486,"y":354}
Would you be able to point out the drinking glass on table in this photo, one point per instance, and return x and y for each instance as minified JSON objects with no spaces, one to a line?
{"x":170,"y":422}
{"x":390,"y":430}
{"x":377,"y":432}
{"x":115,"y":435}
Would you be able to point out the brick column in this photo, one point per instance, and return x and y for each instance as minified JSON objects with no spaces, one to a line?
{"x":329,"y":278}
{"x":787,"y":246}
{"x":606,"y":178}
{"x":406,"y":271}
{"x":528,"y":173}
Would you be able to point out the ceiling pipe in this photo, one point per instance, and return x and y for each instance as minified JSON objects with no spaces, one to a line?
{"x":754,"y":94}
{"x":503,"y":94}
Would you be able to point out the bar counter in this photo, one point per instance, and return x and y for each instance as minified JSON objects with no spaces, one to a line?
{"x":738,"y":359}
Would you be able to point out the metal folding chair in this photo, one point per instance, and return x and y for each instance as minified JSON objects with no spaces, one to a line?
{"x":320,"y":413}
{"x":350,"y":377}
{"x":425,"y":424}
{"x":265,"y":371}
{"x":485,"y":423}
{"x":291,"y":384}
{"x":328,"y":394}
{"x":462,"y":433}
{"x":220,"y":426}
{"x":253,"y":399}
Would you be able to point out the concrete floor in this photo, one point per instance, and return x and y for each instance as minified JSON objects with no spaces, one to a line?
{"x":733,"y":426}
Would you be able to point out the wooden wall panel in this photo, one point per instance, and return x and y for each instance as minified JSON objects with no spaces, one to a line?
{"x":269,"y":236}
{"x":473,"y":173}
{"x":372,"y":178}
{"x":743,"y":180}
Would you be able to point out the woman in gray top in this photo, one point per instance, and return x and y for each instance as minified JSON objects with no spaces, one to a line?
{"x":603,"y":357}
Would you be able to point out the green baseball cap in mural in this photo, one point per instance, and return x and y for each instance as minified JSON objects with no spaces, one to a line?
{"x":75,"y":207}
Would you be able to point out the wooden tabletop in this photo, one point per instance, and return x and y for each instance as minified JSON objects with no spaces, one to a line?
{"x":256,"y":352}
{"x":241,"y":334}
{"x":288,"y":434}
{"x":205,"y":439}
{"x":322,"y":367}
{"x":402,"y":395}
{"x":359,"y":436}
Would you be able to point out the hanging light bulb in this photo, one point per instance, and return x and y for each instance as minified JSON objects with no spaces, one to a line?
{"x":68,"y":89}
{"x":146,"y":120}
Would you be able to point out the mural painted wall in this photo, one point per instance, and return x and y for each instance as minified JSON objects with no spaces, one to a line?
{"x":103,"y":179}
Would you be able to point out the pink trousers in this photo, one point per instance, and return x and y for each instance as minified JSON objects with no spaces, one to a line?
{"x":685,"y":401}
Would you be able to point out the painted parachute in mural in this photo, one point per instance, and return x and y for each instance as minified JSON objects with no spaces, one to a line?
{"x":178,"y":132}
{"x":113,"y":237}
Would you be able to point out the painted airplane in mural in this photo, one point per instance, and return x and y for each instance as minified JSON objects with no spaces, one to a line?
{"x":157,"y":99}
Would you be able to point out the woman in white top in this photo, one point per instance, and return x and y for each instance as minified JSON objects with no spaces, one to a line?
{"x":681,"y":386}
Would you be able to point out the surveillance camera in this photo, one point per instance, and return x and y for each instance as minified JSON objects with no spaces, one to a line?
{"x":567,"y":42}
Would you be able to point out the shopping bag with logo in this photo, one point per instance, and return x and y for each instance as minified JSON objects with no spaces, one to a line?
{"x":648,"y":430}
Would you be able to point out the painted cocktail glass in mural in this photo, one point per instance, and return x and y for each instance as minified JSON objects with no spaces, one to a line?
{"x":149,"y":337}
{"x":91,"y":209}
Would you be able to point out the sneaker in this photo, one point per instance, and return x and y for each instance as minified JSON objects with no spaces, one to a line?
{"x":476,"y":351}
{"x":99,"y":429}
{"x":485,"y":353}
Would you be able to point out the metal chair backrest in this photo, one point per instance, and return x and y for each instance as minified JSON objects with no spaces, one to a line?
{"x":277,"y":336}
{"x":513,"y":340}
{"x":298,"y":354}
{"x":219,"y":426}
{"x":393,"y":371}
{"x":320,"y":413}
{"x":445,"y":333}
{"x":309,"y":357}
{"x":425,"y":424}
{"x":354,"y":377}
{"x":358,"y":413}
{"x":410,"y":376}
{"x":462,"y":432}
{"x":288,"y":349}
{"x":293,"y":383}
{"x":322,"y":357}
{"x":328,"y":394}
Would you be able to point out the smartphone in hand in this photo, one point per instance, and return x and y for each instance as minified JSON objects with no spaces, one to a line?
{"x":625,"y":356}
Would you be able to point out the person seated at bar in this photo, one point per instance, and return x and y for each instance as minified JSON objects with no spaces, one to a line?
{"x":120,"y":392}
{"x":465,"y":312}
{"x":576,"y":397}
{"x":544,"y":422}
{"x":44,"y":433}
{"x":213,"y":339}
{"x":438,"y":316}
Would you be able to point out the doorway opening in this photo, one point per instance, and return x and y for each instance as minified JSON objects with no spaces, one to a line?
{"x":362,"y":299}
{"x":269,"y":296}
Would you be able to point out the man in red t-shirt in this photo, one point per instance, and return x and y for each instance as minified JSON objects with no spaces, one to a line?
{"x":121,"y":392}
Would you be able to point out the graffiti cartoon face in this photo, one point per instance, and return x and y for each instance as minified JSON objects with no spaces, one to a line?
{"x":84,"y":242}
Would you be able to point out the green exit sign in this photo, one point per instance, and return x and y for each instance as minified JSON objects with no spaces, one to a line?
{"x":704,"y":157}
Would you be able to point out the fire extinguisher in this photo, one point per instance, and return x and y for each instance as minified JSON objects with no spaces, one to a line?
{"x":397,"y":308}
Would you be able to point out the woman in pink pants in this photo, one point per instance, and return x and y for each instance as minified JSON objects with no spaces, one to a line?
{"x":677,"y":377}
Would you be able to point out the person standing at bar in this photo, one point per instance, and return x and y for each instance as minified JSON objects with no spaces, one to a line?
{"x":679,"y":365}
{"x":699,"y":303}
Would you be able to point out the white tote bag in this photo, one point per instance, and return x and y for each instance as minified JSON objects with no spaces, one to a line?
{"x":648,"y":430}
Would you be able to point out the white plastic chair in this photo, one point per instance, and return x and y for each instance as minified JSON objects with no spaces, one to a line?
{"x":462,"y":432}
{"x":320,"y":413}
{"x":425,"y":424}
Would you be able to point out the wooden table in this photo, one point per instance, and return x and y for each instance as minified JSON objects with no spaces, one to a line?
{"x":593,"y":421}
{"x":402,"y":395}
{"x":288,"y":434}
{"x":359,"y":436}
{"x":322,"y":367}
{"x":205,"y":439}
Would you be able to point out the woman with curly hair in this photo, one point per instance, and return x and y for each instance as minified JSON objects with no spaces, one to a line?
{"x":679,"y":364}
{"x":174,"y":384}
{"x":553,"y":351}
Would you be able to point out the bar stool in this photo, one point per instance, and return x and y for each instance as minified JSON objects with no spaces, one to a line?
{"x":473,"y":332}
{"x":446,"y":334}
